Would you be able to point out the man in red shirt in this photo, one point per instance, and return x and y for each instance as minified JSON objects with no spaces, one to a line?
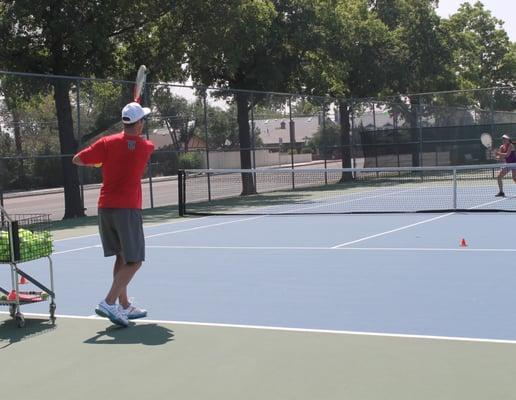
{"x":123,"y":157}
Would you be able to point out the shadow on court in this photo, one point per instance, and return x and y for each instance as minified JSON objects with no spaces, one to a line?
{"x":10,"y":333}
{"x":146,"y":334}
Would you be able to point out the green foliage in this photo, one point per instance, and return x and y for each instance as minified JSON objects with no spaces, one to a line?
{"x":165,"y":161}
{"x":483,"y":54}
{"x":482,"y":49}
{"x":47,"y":171}
{"x":190,"y":161}
{"x":326,"y":140}
{"x":424,"y":59}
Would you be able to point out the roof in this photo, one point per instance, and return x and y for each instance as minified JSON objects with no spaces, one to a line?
{"x":272,"y":130}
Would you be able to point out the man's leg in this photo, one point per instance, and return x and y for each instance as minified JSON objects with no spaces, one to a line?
{"x":123,"y":298}
{"x":122,"y":275}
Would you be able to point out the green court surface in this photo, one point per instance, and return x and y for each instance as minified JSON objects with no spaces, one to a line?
{"x":87,"y":358}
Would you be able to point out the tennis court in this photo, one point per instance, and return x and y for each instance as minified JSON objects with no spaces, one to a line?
{"x":360,"y":306}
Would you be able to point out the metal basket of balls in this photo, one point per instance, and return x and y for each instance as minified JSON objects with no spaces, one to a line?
{"x":25,"y":238}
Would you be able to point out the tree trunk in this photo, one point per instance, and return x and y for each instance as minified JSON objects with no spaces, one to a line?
{"x":345,"y":143}
{"x":68,"y":144}
{"x":248,"y":185}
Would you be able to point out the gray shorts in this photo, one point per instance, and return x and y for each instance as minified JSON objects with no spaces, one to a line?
{"x":121,"y":232}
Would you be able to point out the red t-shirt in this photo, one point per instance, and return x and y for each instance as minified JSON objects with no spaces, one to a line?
{"x":123,"y":159}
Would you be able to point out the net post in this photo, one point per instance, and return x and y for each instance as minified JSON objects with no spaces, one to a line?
{"x":180,"y":193}
{"x":454,"y":189}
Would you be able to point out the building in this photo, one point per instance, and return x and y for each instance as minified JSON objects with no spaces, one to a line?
{"x":274,"y":132}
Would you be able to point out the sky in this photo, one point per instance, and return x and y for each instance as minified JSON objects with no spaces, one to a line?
{"x":501,"y":9}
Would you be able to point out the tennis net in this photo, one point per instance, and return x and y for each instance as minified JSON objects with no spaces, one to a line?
{"x":343,"y":191}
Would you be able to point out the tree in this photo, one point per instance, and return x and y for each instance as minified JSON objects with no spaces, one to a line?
{"x":184,"y":120}
{"x":423,"y":59}
{"x":484,"y":57}
{"x":177,"y":115}
{"x":352,"y":61}
{"x":482,"y":50}
{"x":102,"y":38}
{"x":244,"y":45}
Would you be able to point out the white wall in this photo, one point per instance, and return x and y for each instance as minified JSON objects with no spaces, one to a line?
{"x":264,"y":158}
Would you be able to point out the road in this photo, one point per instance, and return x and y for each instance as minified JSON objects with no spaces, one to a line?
{"x":52,"y":201}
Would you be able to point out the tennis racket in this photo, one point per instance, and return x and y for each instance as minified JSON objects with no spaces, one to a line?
{"x":486,"y":140}
{"x":139,"y":84}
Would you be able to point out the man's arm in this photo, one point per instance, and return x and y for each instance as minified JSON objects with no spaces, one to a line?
{"x":77,"y":160}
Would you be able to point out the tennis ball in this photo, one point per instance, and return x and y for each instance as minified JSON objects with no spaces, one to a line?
{"x":44,"y":295}
{"x":25,"y":235}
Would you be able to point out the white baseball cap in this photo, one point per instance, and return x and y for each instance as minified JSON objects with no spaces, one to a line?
{"x":133,"y":112}
{"x":506,"y":137}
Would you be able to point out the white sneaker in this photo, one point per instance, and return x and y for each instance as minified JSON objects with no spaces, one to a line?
{"x":112,"y":312}
{"x":133,"y":312}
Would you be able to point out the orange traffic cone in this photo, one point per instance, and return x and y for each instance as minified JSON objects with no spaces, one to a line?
{"x":12,"y":295}
{"x":463,"y":243}
{"x":23,"y":281}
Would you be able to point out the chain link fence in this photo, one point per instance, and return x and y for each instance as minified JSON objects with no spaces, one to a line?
{"x":45,"y":119}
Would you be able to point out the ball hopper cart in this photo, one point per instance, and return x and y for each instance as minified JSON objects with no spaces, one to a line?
{"x":24,"y":238}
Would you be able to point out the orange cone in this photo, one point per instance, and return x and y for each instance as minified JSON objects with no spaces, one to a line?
{"x":23,"y":281}
{"x":12,"y":295}
{"x":463,"y":243}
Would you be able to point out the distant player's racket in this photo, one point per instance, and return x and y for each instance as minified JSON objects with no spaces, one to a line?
{"x":141,"y":76}
{"x":486,"y":140}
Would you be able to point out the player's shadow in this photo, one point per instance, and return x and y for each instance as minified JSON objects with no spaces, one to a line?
{"x":148,"y":334}
{"x":11,"y":334}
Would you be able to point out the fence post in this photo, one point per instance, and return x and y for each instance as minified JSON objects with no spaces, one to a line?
{"x":292,"y":132}
{"x":205,"y":106}
{"x":375,"y":138}
{"x":146,"y":100}
{"x":352,"y":114}
{"x":323,"y":136}
{"x":253,"y":139}
{"x":420,"y":128}
{"x":79,"y":138}
{"x":492,"y":112}
{"x":454,"y":189}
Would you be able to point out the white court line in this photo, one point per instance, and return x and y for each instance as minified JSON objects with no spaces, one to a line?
{"x":309,"y":248}
{"x":164,"y":233}
{"x":204,"y":226}
{"x":287,"y":329}
{"x":160,"y":234}
{"x":263,"y":216}
{"x":352,"y":200}
{"x":169,"y":222}
{"x":76,"y":249}
{"x":401,"y":228}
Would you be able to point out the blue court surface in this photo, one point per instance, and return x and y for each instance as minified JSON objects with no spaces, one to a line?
{"x":399,"y":274}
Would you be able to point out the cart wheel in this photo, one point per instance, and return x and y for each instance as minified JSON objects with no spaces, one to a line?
{"x":52,"y":310}
{"x":20,"y":320}
{"x":12,"y":310}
